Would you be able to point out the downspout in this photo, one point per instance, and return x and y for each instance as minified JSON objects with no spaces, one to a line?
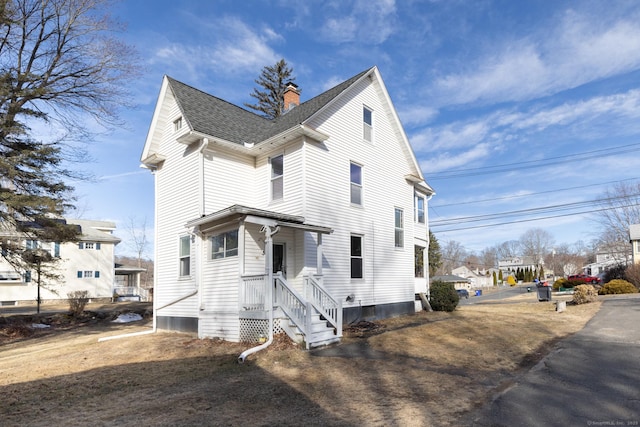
{"x":268,"y":243}
{"x":154,"y":328}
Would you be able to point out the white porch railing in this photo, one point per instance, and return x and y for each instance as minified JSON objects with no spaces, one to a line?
{"x":327,"y":306}
{"x":253,"y":292}
{"x":298,"y":308}
{"x":124,"y":291}
{"x":292,"y":303}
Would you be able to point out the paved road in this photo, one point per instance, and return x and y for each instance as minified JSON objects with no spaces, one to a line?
{"x":497,"y":293}
{"x":591,"y":378}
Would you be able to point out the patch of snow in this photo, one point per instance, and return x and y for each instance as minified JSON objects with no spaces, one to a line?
{"x":39,"y":326}
{"x":127,"y":317}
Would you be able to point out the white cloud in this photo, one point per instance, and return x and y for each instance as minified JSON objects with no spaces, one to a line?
{"x":369,"y":21}
{"x":448,"y":161}
{"x":583,"y":116}
{"x":417,"y":115}
{"x":580,"y":50}
{"x":235,"y":47}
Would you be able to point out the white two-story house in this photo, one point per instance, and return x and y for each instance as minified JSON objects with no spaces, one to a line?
{"x":296,"y":224}
{"x":85,"y":265}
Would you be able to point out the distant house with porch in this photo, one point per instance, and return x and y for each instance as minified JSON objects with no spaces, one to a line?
{"x":289,"y":224}
{"x":86,"y":265}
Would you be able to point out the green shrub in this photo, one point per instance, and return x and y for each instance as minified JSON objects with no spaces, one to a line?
{"x":618,"y":286}
{"x":583,"y":294}
{"x":77,"y":302}
{"x":560,"y":283}
{"x":443,"y":296}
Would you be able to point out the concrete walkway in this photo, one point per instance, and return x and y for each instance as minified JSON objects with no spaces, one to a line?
{"x":591,"y":378}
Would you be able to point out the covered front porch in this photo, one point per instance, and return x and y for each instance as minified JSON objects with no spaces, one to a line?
{"x":278,"y":277}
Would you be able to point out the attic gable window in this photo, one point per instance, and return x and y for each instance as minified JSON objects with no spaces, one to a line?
{"x":177,"y":124}
{"x":367,"y":121}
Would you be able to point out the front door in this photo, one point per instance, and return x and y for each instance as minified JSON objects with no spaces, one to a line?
{"x":279,"y":264}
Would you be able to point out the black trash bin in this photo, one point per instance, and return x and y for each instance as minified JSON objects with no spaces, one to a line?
{"x":544,"y":293}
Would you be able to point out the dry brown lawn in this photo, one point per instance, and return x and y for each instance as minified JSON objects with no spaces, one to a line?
{"x":430,"y":369}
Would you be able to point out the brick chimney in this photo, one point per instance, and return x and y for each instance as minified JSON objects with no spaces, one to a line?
{"x":291,"y":96}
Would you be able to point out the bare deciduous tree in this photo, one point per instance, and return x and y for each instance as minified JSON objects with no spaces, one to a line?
{"x":138,"y":237}
{"x":620,"y":208}
{"x":59,"y":65}
{"x":536,"y":243}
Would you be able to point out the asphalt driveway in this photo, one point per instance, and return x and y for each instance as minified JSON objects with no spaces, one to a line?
{"x":590,"y":379}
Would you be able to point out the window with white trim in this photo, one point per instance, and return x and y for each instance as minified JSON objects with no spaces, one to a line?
{"x":185,"y":256}
{"x":357,"y":261}
{"x":177,"y":124}
{"x":419,"y":213}
{"x":356,"y":184}
{"x":224,"y":245}
{"x":367,"y":124}
{"x":399,"y":228}
{"x":419,"y":261}
{"x":88,"y":274}
{"x":277,"y":177}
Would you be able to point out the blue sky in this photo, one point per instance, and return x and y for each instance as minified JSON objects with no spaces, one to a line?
{"x":509,"y":105}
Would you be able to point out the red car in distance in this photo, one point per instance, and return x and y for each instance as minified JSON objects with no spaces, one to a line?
{"x":585,"y":277}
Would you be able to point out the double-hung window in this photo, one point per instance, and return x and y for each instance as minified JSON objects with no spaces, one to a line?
{"x":367,"y":123}
{"x":356,"y":184}
{"x":277,"y":177}
{"x":419,"y":215}
{"x":224,"y":245}
{"x":357,"y":265}
{"x":185,"y":256}
{"x":419,"y":261}
{"x":399,"y":228}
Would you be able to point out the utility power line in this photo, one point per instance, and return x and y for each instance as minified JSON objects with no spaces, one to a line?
{"x":508,"y":167}
{"x":520,"y":220}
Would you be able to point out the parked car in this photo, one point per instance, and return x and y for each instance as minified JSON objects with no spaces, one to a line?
{"x":463,"y":293}
{"x":585,"y":277}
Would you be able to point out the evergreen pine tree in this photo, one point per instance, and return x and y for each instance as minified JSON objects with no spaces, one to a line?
{"x":273,"y":79}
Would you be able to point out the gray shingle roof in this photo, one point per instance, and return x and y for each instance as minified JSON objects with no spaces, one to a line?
{"x":218,"y":118}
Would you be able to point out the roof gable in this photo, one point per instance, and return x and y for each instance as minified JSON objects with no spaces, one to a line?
{"x":211,"y":117}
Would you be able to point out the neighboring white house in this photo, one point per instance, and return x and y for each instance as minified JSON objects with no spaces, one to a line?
{"x":511,"y":265}
{"x":634,"y":238}
{"x":604,"y":261}
{"x":477,"y":278}
{"x":86,"y":265}
{"x":457,"y":281}
{"x":322,"y":211}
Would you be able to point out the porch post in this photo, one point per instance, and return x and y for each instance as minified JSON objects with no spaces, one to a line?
{"x":319,"y":255}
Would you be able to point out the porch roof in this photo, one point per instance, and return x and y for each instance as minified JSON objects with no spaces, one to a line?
{"x":257,"y":216}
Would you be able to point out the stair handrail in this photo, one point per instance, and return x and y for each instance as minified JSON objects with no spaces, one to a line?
{"x":292,"y":304}
{"x":323,"y":302}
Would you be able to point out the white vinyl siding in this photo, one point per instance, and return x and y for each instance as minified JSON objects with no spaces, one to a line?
{"x":388,"y":272}
{"x":177,"y":201}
